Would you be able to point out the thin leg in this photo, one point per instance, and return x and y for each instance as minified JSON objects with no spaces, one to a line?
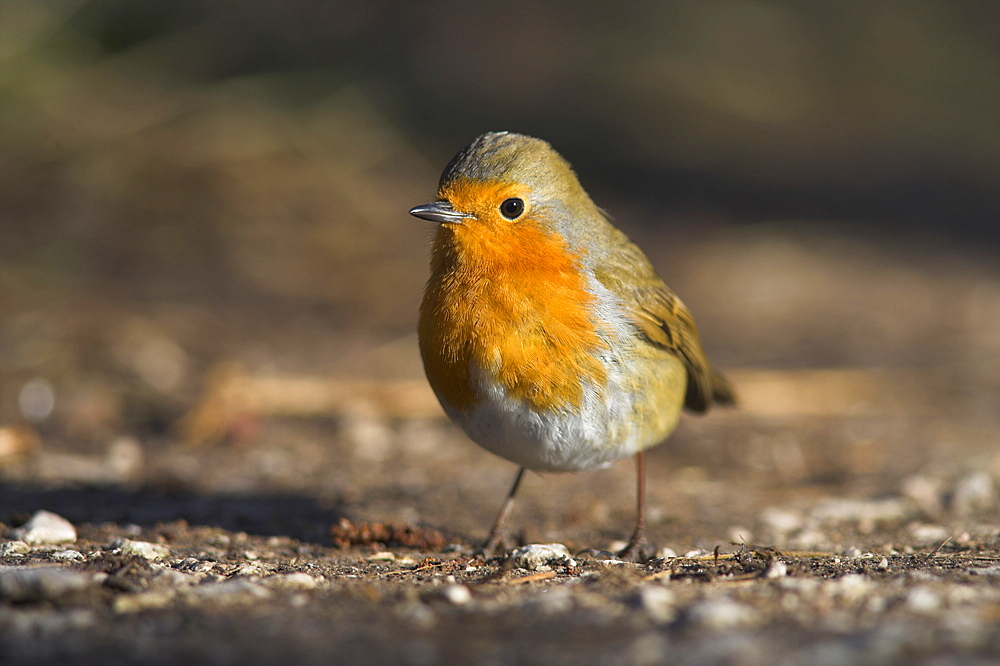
{"x":638,"y":549}
{"x":495,"y":541}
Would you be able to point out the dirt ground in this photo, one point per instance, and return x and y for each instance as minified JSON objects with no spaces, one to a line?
{"x":263,"y":511}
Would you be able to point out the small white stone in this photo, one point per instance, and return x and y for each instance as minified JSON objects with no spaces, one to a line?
{"x":659,"y":603}
{"x":457,"y":594}
{"x":538,"y":556}
{"x":46,"y":527}
{"x":297,"y":580}
{"x":667,"y":553}
{"x":851,"y":587}
{"x":927,"y":535}
{"x":923,"y":600}
{"x":974,"y":492}
{"x":143,"y":549}
{"x":782,"y":521}
{"x":883,"y":564}
{"x":19,"y":584}
{"x":778,"y":569}
{"x":697,"y":552}
{"x":852,"y":552}
{"x":382,"y":556}
{"x":721,"y":614}
{"x":233,"y":591}
{"x":15,"y":548}
{"x":740,"y":534}
{"x":67,"y":555}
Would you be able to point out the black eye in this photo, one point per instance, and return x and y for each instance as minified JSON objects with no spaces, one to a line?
{"x":512,"y":208}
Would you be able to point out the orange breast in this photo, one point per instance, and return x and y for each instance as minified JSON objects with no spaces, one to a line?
{"x":509,"y":298}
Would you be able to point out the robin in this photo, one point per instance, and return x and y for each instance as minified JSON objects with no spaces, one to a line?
{"x":545,"y":333}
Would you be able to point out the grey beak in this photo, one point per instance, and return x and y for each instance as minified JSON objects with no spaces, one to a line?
{"x":439,"y":211}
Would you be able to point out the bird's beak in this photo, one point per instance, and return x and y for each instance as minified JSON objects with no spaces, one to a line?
{"x":439,"y":211}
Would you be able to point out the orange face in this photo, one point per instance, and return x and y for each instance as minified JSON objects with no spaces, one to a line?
{"x":509,"y":297}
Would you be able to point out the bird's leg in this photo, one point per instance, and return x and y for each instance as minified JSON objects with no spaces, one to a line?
{"x":495,"y":541}
{"x":638,"y":549}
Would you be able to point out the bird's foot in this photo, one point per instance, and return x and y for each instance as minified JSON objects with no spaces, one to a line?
{"x":638,"y":549}
{"x":494,"y":546}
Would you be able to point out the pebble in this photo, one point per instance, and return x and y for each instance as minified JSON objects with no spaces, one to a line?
{"x":553,"y":601}
{"x":666,"y":553}
{"x":852,"y":552}
{"x":867,"y":512}
{"x":67,"y":555}
{"x":925,"y":491}
{"x":926,"y":535}
{"x":235,"y":591}
{"x":923,"y":600}
{"x":851,"y":587}
{"x":143,"y":549}
{"x":457,"y":594}
{"x":720,"y":614}
{"x":539,"y":556}
{"x":46,"y":527}
{"x":297,"y":580}
{"x":659,"y":603}
{"x":778,"y":569}
{"x":782,"y":521}
{"x":974,"y":492}
{"x":251,"y":569}
{"x":133,"y":603}
{"x":23,"y":585}
{"x":15,"y":548}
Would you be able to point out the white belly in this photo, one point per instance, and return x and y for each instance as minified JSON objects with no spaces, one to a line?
{"x":622,"y":420}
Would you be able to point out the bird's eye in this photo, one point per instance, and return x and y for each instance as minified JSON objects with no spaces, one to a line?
{"x":512,"y":208}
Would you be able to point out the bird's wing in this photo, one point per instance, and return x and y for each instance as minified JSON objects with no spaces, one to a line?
{"x":664,"y":322}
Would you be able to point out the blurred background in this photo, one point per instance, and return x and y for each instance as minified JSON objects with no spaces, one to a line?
{"x":209,"y":282}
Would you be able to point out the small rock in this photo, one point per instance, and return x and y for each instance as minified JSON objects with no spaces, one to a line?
{"x":883,"y":564}
{"x":740,"y":534}
{"x":925,"y":491}
{"x":852,"y":552}
{"x":697,"y":552}
{"x":68,"y":555}
{"x":782,"y":521}
{"x":15,"y":548}
{"x":457,"y":594}
{"x":46,"y":527}
{"x":864,"y":512}
{"x":720,"y":614}
{"x":540,"y":556}
{"x":297,"y":580}
{"x":666,"y":553}
{"x":553,"y":601}
{"x":22,"y":585}
{"x":974,"y":492}
{"x":251,"y":569}
{"x":926,"y":535}
{"x":143,"y":549}
{"x":851,"y":587}
{"x":383,"y":556}
{"x":235,"y":591}
{"x":923,"y":600}
{"x":133,"y":603}
{"x":778,"y":569}
{"x":659,"y":603}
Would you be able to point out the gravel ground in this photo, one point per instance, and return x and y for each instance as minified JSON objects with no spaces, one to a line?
{"x":261,"y":512}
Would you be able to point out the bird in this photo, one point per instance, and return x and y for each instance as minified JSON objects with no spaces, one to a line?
{"x":545,"y":332}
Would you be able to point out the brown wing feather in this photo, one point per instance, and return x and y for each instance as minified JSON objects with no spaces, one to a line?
{"x":663,"y":320}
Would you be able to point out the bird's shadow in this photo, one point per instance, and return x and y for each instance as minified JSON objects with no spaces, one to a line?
{"x":298,"y":516}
